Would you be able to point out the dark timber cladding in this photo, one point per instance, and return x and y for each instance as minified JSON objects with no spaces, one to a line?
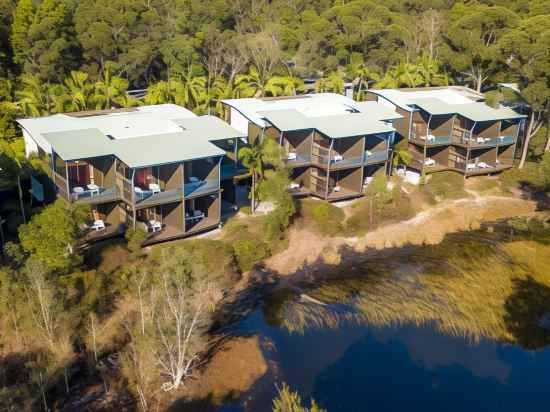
{"x":329,"y":168}
{"x":167,"y":184}
{"x":451,"y":129}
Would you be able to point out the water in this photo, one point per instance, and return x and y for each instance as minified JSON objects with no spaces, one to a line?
{"x":327,"y":341}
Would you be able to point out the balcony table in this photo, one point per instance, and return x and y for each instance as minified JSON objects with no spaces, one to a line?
{"x":155,"y":188}
{"x":93,"y":189}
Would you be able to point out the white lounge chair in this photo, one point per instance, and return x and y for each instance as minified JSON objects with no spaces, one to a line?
{"x":431,"y":138}
{"x":292,"y":156}
{"x":337,"y":158}
{"x":429,"y":162}
{"x":155,"y":225}
{"x":155,"y":188}
{"x":471,"y":166}
{"x":337,"y":188}
{"x":93,"y":189}
{"x":98,"y":225}
{"x":294,"y":185}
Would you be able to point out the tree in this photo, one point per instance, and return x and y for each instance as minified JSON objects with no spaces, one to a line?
{"x":79,"y":91}
{"x":14,"y":164}
{"x":110,"y":90}
{"x":288,"y":401}
{"x":23,"y":17}
{"x":401,"y":156}
{"x":472,"y":40}
{"x":255,"y":157}
{"x":333,"y":83}
{"x":525,"y":51}
{"x":52,"y":235}
{"x":43,"y":47}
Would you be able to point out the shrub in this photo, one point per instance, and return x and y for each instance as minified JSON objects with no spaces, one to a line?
{"x":529,"y":175}
{"x":446,"y":185}
{"x":248,"y":252}
{"x":134,"y":239}
{"x":324,"y":217}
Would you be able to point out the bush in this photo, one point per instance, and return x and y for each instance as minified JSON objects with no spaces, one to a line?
{"x":530,"y":175}
{"x":379,"y":207}
{"x":248,"y":252}
{"x":134,"y":239}
{"x":446,"y":185}
{"x":324,"y":217}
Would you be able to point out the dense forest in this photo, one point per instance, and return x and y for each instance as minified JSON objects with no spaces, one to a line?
{"x":137,"y":325}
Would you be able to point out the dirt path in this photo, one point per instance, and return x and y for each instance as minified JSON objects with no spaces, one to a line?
{"x":427,"y":227}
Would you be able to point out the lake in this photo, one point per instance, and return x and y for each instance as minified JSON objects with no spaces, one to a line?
{"x":458,"y":326}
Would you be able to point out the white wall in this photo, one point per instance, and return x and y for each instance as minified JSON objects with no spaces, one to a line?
{"x":238,"y":121}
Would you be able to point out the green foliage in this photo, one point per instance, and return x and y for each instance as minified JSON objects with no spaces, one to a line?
{"x":134,"y":241}
{"x":446,"y":185}
{"x":288,"y":401}
{"x":324,"y":217}
{"x":248,"y":252}
{"x":381,"y":205}
{"x":529,"y":176}
{"x":52,"y":235}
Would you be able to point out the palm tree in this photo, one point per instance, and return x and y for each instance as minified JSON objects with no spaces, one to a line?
{"x":190,"y":90}
{"x":161,"y":92}
{"x":255,"y":157}
{"x":13,"y":164}
{"x":34,"y":97}
{"x":284,"y":85}
{"x":401,"y":156}
{"x":333,"y":83}
{"x":221,"y":89}
{"x":251,"y":84}
{"x":110,"y":89}
{"x":80,"y":91}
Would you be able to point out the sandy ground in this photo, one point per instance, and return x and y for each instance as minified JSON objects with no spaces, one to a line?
{"x":427,"y":227}
{"x":232,"y":370}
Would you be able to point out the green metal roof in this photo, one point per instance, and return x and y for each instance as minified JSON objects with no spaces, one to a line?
{"x":161,"y":149}
{"x":207,"y":128}
{"x":476,"y":111}
{"x":135,"y":152}
{"x":333,"y":126}
{"x":287,"y":119}
{"x":377,"y":110}
{"x":347,"y":125}
{"x":79,"y":143}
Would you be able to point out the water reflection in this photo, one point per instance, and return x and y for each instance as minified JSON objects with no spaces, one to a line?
{"x":446,"y":327}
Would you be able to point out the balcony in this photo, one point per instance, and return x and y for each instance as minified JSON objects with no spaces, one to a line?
{"x":480,"y":141}
{"x":338,"y":161}
{"x":96,"y":195}
{"x":505,"y":140}
{"x":196,"y":187}
{"x":149,"y":199}
{"x":432,"y":139}
{"x":298,"y":159}
{"x":375,"y":157}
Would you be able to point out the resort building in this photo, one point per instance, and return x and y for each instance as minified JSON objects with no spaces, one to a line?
{"x":333,"y":145}
{"x":451,"y":128}
{"x":160,"y":167}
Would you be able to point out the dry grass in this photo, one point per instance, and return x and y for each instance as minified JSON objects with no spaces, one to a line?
{"x":463,"y":293}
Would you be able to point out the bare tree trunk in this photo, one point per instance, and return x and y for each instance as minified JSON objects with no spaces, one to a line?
{"x":21,"y":204}
{"x":253,"y":198}
{"x":528,"y":134}
{"x":547,"y":146}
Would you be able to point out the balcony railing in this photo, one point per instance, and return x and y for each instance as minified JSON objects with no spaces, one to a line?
{"x":506,"y":139}
{"x":200,"y":186}
{"x":98,"y":195}
{"x":375,"y":157}
{"x":297,"y":158}
{"x":339,"y":160}
{"x":432,"y":139}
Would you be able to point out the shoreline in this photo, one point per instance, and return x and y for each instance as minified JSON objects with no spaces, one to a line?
{"x":427,"y":227}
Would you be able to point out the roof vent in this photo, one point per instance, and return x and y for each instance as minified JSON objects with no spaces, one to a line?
{"x":110,"y":137}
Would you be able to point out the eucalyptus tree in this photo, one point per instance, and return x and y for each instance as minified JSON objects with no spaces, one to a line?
{"x":525,"y":50}
{"x":472,"y":40}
